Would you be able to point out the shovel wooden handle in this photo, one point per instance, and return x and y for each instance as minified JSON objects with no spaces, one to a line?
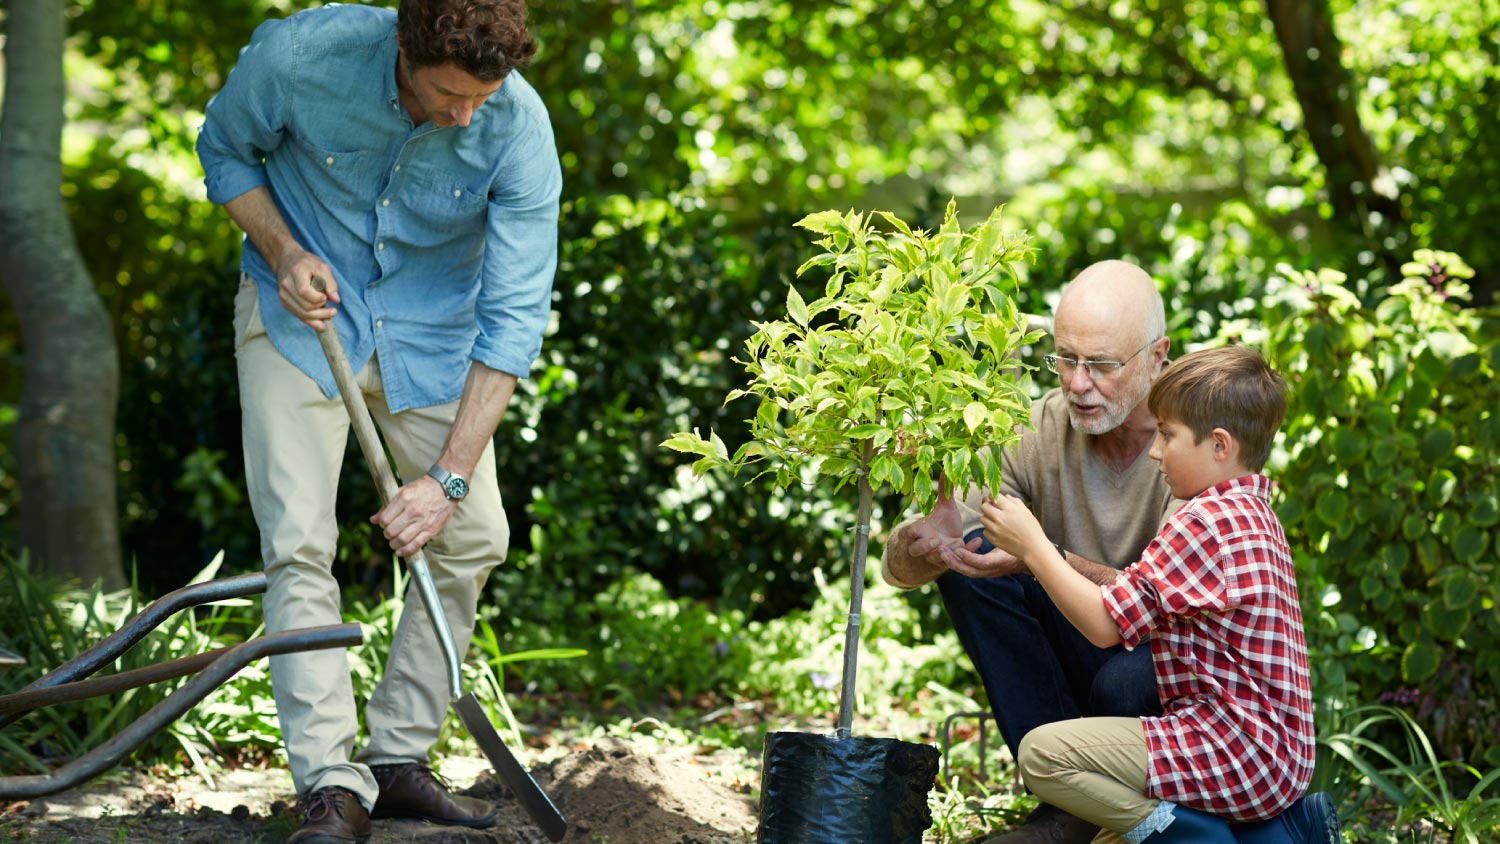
{"x":385,"y":481}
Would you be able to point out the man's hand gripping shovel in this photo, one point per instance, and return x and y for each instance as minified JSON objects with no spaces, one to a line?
{"x":532,"y":798}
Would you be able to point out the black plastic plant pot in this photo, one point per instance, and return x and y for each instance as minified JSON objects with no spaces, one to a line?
{"x":819,"y":789}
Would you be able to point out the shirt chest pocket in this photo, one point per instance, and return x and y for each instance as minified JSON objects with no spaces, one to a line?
{"x":341,"y":178}
{"x":441,"y":209}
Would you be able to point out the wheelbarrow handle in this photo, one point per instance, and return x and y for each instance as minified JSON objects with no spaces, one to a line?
{"x":385,"y":481}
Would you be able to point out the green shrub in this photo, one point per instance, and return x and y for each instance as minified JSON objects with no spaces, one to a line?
{"x":1391,"y":488}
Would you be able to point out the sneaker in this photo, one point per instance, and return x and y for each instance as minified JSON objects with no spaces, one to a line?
{"x":1311,"y":820}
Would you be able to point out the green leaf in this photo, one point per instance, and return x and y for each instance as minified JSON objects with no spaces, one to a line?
{"x":1347,"y":445}
{"x":1396,"y":558}
{"x":795,"y":307}
{"x":1444,"y":623}
{"x":1486,"y":512}
{"x":1459,"y":590}
{"x":975,"y":415}
{"x":720,"y":450}
{"x":865,"y":432}
{"x":1437,"y":444}
{"x":1419,"y":661}
{"x":1469,"y":542}
{"x":1414,"y":526}
{"x":689,"y":443}
{"x":1464,"y":366}
{"x":751,"y":450}
{"x":766,"y":414}
{"x":822,"y":222}
{"x":1332,"y":507}
{"x":1429,"y":367}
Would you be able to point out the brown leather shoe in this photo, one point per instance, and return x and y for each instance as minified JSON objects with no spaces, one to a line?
{"x":332,"y":815}
{"x":414,"y":791}
{"x":1049,"y":825}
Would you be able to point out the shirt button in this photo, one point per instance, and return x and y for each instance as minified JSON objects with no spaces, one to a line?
{"x":380,"y":246}
{"x":398,"y":168}
{"x":458,"y":193}
{"x":380,"y":323}
{"x":385,"y":202}
{"x":328,"y":160}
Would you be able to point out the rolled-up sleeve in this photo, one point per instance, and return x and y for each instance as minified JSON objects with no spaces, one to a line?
{"x":246,"y":119}
{"x":520,"y":257}
{"x":1177,"y":576}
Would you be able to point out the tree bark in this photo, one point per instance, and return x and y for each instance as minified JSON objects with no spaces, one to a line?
{"x":65,"y":435}
{"x":1313,"y":56}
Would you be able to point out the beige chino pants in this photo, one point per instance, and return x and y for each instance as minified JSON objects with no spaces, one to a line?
{"x":1091,"y":768}
{"x":294,"y":441}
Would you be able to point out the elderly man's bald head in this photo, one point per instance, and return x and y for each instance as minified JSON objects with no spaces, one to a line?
{"x":1110,"y":315}
{"x":1113,"y":294}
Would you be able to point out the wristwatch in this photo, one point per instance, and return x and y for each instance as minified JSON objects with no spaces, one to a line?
{"x":454,"y":486}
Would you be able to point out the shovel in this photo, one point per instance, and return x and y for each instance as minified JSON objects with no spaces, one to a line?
{"x":516,"y":778}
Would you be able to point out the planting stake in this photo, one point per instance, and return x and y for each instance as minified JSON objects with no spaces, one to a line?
{"x":856,"y":598}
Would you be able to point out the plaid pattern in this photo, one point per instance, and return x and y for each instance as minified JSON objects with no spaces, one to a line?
{"x":1216,"y":592}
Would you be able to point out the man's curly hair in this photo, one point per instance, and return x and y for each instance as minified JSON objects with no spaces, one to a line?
{"x":486,"y":39}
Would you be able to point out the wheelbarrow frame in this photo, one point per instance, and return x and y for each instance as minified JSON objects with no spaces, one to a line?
{"x":68,"y":681}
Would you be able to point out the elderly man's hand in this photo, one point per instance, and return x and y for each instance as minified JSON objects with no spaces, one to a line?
{"x":943,"y":528}
{"x":967,"y":560}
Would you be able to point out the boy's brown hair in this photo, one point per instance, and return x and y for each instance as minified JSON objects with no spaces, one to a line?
{"x":1231,"y":388}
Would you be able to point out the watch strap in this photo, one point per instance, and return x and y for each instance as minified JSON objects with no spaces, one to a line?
{"x":445,"y":479}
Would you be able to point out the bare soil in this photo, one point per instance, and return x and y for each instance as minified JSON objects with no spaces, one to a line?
{"x":611,"y":793}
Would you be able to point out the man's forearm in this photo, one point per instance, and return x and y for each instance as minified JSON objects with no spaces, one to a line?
{"x":1097,"y":572}
{"x":487,"y":394}
{"x":257,"y":215}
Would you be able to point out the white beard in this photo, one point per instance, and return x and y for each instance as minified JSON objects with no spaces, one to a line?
{"x":1116,"y":410}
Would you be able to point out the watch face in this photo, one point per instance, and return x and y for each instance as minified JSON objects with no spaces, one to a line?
{"x":456,"y":488}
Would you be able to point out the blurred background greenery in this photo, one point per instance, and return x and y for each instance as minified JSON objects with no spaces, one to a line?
{"x":1211,"y":141}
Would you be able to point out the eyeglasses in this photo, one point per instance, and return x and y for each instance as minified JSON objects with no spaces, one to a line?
{"x":1098,"y":370}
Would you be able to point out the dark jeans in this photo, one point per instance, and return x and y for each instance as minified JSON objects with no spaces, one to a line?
{"x":1036,"y":667}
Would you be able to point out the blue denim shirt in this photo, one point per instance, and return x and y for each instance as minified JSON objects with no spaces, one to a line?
{"x":443,"y":240}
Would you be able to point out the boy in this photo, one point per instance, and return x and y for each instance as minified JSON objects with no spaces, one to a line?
{"x":1217,"y":593}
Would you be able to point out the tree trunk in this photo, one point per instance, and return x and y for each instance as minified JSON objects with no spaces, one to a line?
{"x":65,"y":436}
{"x":1326,"y":92}
{"x":856,"y":599}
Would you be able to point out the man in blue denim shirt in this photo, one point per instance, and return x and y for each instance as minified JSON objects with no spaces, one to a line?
{"x":401,"y":158}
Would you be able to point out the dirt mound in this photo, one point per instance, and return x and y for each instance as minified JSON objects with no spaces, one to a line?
{"x":610,"y":792}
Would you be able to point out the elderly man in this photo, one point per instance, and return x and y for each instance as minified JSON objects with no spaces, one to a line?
{"x":1085,"y":473}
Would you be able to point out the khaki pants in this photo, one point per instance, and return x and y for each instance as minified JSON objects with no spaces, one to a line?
{"x":1091,"y":768}
{"x":294,"y":441}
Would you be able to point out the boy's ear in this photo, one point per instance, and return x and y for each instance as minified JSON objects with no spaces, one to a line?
{"x":1226,"y":446}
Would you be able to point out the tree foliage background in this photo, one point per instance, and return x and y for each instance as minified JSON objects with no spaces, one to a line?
{"x":1208,"y":140}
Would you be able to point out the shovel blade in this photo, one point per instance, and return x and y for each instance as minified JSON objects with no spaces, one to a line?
{"x":535,"y":801}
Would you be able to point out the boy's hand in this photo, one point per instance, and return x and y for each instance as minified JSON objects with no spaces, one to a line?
{"x":1009,"y":526}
